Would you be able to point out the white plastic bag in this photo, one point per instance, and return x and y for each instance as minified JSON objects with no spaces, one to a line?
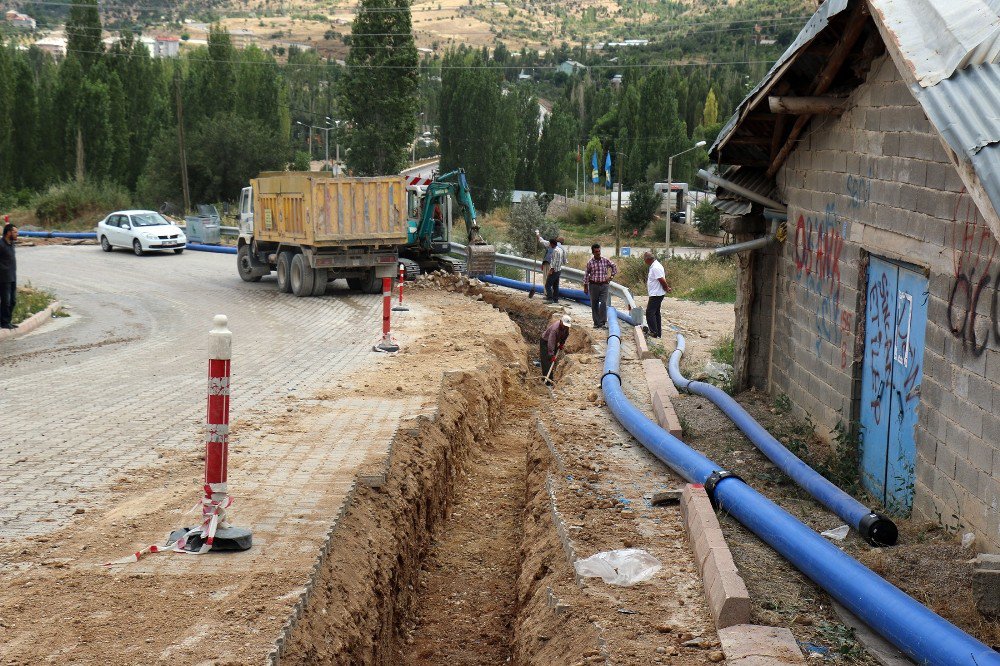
{"x":837,"y":533}
{"x":627,"y":566}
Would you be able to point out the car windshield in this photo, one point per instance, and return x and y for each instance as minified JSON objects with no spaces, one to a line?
{"x":148,"y":220}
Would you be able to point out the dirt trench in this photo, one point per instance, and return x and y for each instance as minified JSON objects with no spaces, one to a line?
{"x":448,"y":561}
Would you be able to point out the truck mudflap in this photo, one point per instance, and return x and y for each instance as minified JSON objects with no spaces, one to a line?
{"x":481,"y":259}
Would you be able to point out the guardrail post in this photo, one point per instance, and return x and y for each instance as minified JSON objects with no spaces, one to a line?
{"x":387,"y":344}
{"x":402,"y":279}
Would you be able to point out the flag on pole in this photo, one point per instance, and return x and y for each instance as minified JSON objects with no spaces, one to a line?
{"x":595,"y":175}
{"x":607,"y":170}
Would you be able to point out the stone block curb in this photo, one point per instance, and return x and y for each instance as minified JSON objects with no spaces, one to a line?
{"x":641,"y":347}
{"x":661,"y":390}
{"x":31,"y":323}
{"x":728,"y":598}
{"x":754,"y":645}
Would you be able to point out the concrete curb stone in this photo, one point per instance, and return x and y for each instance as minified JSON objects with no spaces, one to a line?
{"x":31,"y":323}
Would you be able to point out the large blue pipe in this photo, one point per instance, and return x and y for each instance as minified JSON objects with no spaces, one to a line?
{"x":875,"y":528}
{"x":221,"y":249}
{"x":58,"y":234}
{"x":575,"y":294}
{"x":926,"y":637}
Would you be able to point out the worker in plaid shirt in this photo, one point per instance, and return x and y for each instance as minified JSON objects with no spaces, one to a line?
{"x":595,"y":284}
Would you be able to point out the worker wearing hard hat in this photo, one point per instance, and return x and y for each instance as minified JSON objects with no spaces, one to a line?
{"x":553,"y":340}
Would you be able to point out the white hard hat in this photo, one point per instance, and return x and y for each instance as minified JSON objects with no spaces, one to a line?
{"x":567,"y":321}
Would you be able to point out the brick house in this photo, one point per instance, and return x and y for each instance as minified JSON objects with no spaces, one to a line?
{"x":878,"y":305}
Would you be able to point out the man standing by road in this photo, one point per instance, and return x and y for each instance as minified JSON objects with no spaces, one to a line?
{"x":8,"y":274}
{"x":553,"y":339}
{"x":595,"y":284}
{"x":656,"y":287}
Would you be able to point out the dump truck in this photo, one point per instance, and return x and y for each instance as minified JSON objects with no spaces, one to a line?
{"x":311,"y":228}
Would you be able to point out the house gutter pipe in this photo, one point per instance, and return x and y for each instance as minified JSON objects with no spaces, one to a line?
{"x":874,"y":528}
{"x":926,"y":637}
{"x":756,"y":243}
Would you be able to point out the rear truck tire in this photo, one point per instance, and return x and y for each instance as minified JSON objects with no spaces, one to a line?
{"x":137,"y":247}
{"x":178,"y":250}
{"x":370,"y":283}
{"x":354,"y":284}
{"x":301,"y":276}
{"x":105,"y":245}
{"x":243,"y":265}
{"x":284,"y":269}
{"x":321,"y":277}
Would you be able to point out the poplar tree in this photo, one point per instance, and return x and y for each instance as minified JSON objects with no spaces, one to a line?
{"x":83,"y":33}
{"x":379,"y":89}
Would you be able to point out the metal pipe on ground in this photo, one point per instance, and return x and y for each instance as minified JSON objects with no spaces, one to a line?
{"x":876,"y":529}
{"x":910,"y":626}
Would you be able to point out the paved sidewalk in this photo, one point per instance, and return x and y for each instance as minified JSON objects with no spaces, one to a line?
{"x":84,"y":403}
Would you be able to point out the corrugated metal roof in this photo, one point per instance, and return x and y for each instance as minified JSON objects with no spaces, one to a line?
{"x":755,"y":180}
{"x":937,"y":37}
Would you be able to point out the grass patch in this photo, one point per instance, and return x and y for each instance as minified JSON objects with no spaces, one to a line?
{"x":723,"y":351}
{"x":30,"y":301}
{"x":712,"y":279}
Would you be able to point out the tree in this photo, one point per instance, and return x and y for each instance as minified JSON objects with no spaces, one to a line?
{"x":556,"y":150}
{"x":379,"y":90}
{"x":711,"y":113}
{"x":83,"y":33}
{"x":706,"y":218}
{"x":526,"y":136}
{"x":478,"y":127}
{"x":525,"y":218}
{"x":644,"y":202}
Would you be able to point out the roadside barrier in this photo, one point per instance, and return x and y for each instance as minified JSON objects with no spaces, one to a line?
{"x":573,"y":294}
{"x":909,"y":625}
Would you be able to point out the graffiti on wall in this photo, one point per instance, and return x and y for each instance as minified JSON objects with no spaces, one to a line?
{"x":973,"y":309}
{"x":880,"y":338}
{"x":859,"y":189}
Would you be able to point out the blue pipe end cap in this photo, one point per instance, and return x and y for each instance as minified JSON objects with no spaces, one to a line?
{"x":878,"y":530}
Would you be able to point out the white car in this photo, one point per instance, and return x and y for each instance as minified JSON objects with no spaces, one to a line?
{"x":140,"y":231}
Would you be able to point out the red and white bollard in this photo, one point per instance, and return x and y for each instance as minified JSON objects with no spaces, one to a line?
{"x":215,"y":530}
{"x":387,"y":344}
{"x":402,"y":278}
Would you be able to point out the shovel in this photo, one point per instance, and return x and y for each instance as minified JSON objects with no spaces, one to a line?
{"x":552,"y":366}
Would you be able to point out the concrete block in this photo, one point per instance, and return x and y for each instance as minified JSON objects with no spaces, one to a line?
{"x":773,"y":645}
{"x":665,"y":415}
{"x":641,"y":347}
{"x":658,"y":378}
{"x":729,"y":600}
{"x":986,"y":585}
{"x":980,"y":454}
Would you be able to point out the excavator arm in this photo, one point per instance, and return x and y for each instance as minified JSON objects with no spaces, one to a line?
{"x":482,"y":255}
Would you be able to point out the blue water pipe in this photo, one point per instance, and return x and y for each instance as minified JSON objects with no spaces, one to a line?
{"x":875,"y":528}
{"x":575,"y":294}
{"x":59,"y":234}
{"x":926,"y":637}
{"x":220,"y":249}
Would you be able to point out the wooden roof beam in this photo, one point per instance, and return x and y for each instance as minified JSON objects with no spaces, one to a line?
{"x":852,"y":32}
{"x":798,"y":106}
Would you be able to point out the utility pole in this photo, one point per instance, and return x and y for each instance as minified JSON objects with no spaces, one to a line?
{"x":618,"y":222}
{"x":182,"y":152}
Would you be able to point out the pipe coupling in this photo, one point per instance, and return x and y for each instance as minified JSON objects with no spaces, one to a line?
{"x":613,"y":374}
{"x":878,"y":530}
{"x":713,"y":480}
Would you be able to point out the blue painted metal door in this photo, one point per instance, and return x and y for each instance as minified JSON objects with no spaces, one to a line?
{"x":896,"y":319}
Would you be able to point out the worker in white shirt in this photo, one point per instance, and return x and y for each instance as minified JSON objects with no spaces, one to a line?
{"x":656,"y":287}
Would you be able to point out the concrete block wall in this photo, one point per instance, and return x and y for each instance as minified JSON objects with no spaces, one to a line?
{"x":877,"y":181}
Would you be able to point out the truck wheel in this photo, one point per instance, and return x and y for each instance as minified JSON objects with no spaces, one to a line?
{"x":301,"y":276}
{"x":320,"y":279}
{"x":243,"y":264}
{"x":354,"y":284}
{"x":284,"y":267}
{"x":371,"y":284}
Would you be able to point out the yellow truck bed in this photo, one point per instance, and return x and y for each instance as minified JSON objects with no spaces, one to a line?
{"x":316,"y":210}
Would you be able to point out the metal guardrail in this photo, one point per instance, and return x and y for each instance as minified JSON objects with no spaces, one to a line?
{"x":572,"y":274}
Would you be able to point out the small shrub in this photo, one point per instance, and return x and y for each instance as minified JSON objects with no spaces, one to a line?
{"x":583,"y":216}
{"x":73,"y":200}
{"x":707,"y":218}
{"x":643,"y":204}
{"x":525,"y":218}
{"x":30,"y":301}
{"x":723,"y":351}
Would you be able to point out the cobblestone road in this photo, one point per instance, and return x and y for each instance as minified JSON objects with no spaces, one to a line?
{"x":86,"y":399}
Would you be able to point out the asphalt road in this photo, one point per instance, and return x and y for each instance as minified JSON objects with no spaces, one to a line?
{"x":108,"y":389}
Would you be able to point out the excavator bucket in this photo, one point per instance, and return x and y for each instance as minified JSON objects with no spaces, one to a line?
{"x":482,"y":259}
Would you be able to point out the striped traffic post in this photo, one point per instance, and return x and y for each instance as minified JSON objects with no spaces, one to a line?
{"x":215,"y":530}
{"x":386,"y":344}
{"x":402,"y":278}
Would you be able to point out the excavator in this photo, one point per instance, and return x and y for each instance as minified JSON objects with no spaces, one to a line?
{"x":429,"y":229}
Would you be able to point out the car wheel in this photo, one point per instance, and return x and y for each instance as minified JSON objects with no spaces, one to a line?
{"x":178,"y":250}
{"x":137,"y":247}
{"x":321,"y":278}
{"x":301,"y":276}
{"x":243,"y":265}
{"x":105,"y":245}
{"x":284,"y":266}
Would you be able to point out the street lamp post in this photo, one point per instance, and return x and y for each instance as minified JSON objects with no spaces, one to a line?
{"x":670,"y":189}
{"x":326,"y":138}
